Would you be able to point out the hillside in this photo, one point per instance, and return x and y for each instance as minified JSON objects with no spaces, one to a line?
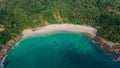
{"x":16,"y":15}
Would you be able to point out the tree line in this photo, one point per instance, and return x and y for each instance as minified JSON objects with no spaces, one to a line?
{"x":16,"y":15}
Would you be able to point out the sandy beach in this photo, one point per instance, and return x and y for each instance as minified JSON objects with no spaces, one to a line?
{"x":113,"y":48}
{"x":60,"y":27}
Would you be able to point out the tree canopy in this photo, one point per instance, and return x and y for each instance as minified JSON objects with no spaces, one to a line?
{"x":16,"y":15}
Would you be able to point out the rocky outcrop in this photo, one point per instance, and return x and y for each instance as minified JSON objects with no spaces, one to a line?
{"x":108,"y":46}
{"x":105,"y":45}
{"x":6,"y":48}
{"x":3,"y":52}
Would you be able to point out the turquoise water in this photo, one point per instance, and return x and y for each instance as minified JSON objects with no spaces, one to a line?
{"x":58,"y":50}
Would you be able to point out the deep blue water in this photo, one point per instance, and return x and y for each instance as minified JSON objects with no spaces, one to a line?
{"x":58,"y":50}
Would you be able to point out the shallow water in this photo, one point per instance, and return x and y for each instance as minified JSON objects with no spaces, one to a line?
{"x":58,"y":50}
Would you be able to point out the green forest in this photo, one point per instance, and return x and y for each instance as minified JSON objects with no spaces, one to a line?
{"x":17,"y":15}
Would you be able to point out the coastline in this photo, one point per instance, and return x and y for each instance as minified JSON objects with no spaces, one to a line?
{"x":101,"y":43}
{"x":8,"y":47}
{"x":60,"y":27}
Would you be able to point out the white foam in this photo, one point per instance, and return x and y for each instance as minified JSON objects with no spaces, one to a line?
{"x":2,"y":62}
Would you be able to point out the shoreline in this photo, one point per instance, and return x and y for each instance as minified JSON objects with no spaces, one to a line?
{"x":60,"y":27}
{"x":8,"y":47}
{"x":101,"y":43}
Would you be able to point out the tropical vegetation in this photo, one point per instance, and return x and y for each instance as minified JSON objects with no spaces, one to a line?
{"x":16,"y":15}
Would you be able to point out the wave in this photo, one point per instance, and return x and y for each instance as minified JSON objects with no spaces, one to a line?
{"x":3,"y":62}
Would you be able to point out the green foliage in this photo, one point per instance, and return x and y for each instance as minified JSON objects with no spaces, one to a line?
{"x":110,"y":23}
{"x":5,"y":37}
{"x":16,"y":15}
{"x":111,"y":33}
{"x":109,"y":19}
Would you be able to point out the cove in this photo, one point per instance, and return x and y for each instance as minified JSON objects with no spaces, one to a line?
{"x":58,"y":50}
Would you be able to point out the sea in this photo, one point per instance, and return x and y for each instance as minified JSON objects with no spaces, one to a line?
{"x":58,"y":50}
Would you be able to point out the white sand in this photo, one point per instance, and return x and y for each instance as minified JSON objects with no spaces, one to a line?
{"x":60,"y":27}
